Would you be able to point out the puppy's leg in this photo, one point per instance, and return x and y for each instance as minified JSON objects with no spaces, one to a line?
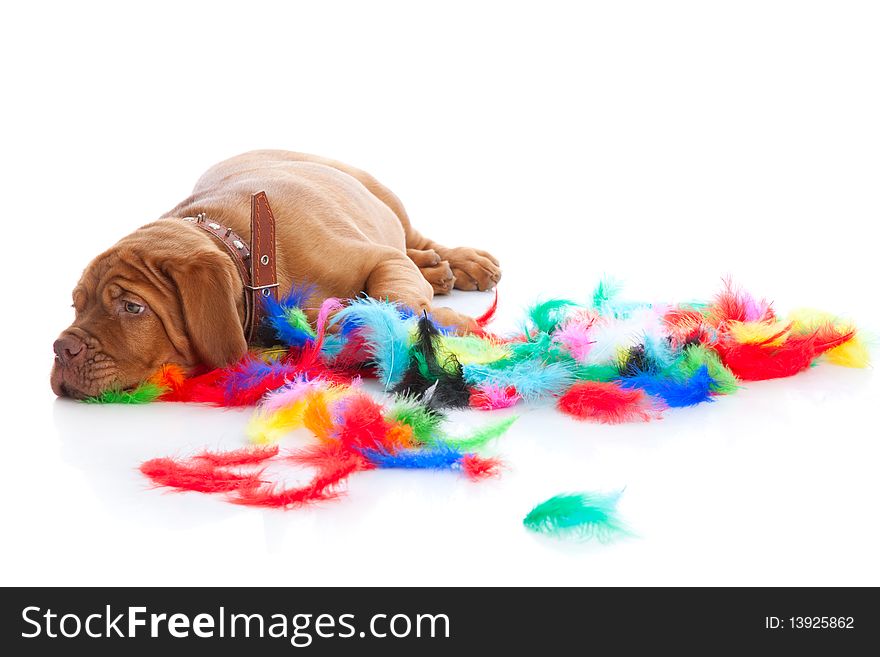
{"x":473,"y":269}
{"x":435,"y":270}
{"x":396,"y":278}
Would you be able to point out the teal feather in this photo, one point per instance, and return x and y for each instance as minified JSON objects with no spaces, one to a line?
{"x":578,"y":516}
{"x":541,"y":346}
{"x":386,"y":334}
{"x":606,"y":300}
{"x":533,"y":379}
{"x":605,"y":291}
{"x":547,"y":315}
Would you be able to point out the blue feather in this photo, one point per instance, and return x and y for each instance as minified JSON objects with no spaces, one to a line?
{"x":289,"y":335}
{"x":251,"y":374}
{"x":533,"y":379}
{"x":675,"y":391}
{"x":385,"y":332}
{"x":296,"y":298}
{"x":440,"y":457}
{"x":406,"y":312}
{"x":275,"y":313}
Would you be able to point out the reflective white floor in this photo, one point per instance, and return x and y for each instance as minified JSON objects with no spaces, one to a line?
{"x":774,"y":485}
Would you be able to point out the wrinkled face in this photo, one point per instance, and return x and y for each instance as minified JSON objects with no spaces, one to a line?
{"x":161,"y":295}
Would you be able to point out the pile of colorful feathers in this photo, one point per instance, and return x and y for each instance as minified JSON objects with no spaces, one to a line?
{"x":607,"y":361}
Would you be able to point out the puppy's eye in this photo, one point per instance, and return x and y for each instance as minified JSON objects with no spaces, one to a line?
{"x":133,"y":308}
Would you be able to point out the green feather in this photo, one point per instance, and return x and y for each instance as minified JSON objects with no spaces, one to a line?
{"x":422,"y":363}
{"x":578,"y":516}
{"x":480,"y":437}
{"x":694,"y":356}
{"x":595,"y":372}
{"x":142,"y":394}
{"x":425,"y":423}
{"x":298,"y":320}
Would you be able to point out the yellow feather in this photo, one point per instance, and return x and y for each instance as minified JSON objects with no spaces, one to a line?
{"x":852,"y":353}
{"x":269,"y":354}
{"x":807,"y":320}
{"x":470,"y":350}
{"x":269,"y":427}
{"x":774,"y":333}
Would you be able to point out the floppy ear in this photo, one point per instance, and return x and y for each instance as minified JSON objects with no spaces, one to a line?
{"x":204,"y":284}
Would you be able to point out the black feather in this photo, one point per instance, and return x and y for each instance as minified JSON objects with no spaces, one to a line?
{"x":636,"y":361}
{"x":436,"y":385}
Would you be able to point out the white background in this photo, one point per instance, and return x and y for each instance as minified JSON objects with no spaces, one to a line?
{"x":669,"y":144}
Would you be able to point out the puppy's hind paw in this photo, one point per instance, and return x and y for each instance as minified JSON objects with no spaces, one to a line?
{"x":473,"y":269}
{"x":440,"y":277}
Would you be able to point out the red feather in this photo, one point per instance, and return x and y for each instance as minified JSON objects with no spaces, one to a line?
{"x":204,"y":388}
{"x":334,"y":467}
{"x":732,"y":304}
{"x":243,"y":456}
{"x":328,"y":455}
{"x":241,"y":388}
{"x":606,"y":402}
{"x":196,"y":475}
{"x":209,"y":472}
{"x":762,"y":360}
{"x":363,"y":424}
{"x":307,"y":364}
{"x":353,"y":355}
{"x":489,"y":315}
{"x":478,"y":467}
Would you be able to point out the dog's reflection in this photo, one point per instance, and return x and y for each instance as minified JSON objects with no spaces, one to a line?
{"x":109,"y":442}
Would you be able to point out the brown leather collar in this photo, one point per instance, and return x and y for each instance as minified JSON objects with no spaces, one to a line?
{"x":255,"y":262}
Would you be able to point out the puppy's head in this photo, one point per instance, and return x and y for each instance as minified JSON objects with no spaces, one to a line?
{"x":164,"y":294}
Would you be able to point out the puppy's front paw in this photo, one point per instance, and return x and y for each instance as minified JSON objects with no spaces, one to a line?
{"x":473,"y":269}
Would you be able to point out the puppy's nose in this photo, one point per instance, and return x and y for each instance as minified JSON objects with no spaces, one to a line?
{"x":69,"y":349}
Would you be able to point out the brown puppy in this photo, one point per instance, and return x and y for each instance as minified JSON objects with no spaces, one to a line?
{"x":169,"y":293}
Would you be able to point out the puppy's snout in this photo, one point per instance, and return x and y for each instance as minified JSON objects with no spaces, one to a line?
{"x":69,"y":349}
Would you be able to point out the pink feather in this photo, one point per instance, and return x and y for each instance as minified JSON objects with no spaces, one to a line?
{"x":574,"y":334}
{"x":489,"y":397}
{"x":290,"y":393}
